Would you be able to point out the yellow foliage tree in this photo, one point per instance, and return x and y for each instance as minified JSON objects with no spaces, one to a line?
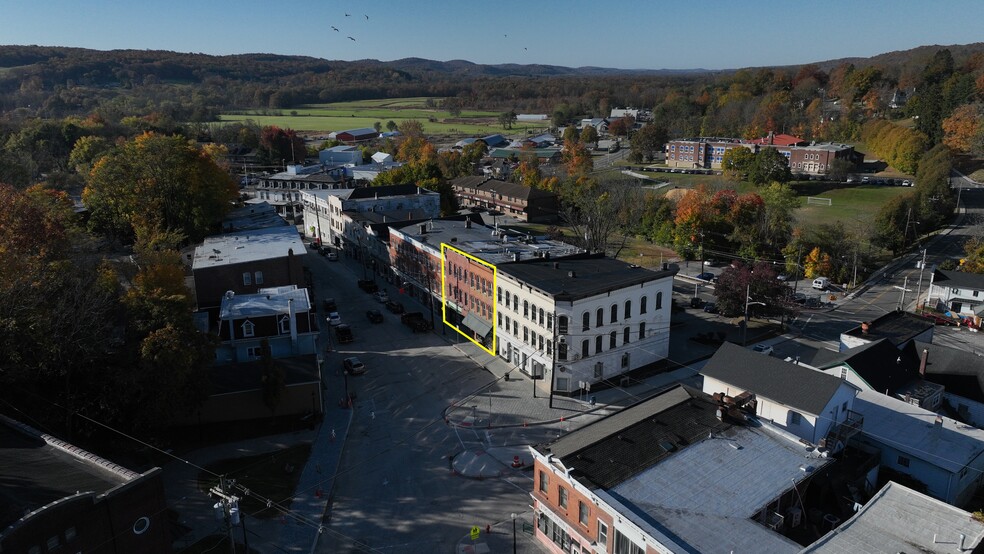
{"x":817,"y":264}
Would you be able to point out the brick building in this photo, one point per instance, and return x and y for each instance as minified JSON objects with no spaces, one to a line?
{"x":804,"y":157}
{"x":520,"y":201}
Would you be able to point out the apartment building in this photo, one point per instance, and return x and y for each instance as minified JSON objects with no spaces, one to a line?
{"x":582,"y":319}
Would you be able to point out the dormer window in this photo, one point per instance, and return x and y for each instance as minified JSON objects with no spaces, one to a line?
{"x":248,"y":328}
{"x":284,"y":324}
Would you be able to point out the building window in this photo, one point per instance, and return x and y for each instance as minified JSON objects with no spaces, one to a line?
{"x":507,"y":322}
{"x":628,"y":309}
{"x":562,"y":325}
{"x":795,"y":418}
{"x":659,"y":300}
{"x":499,"y":295}
{"x":544,"y":482}
{"x":515,"y":328}
{"x":526,"y":309}
{"x":253,"y":352}
{"x":625,"y":546}
{"x":612,"y":337}
{"x":549,"y":348}
{"x":507,"y":299}
{"x":284,"y":324}
{"x":500,"y":319}
{"x":584,"y":348}
{"x":562,"y":497}
{"x":541,"y":316}
{"x":258,"y":277}
{"x":540,"y":341}
{"x":602,"y":533}
{"x":643,"y":302}
{"x":642,"y":330}
{"x":598,"y":344}
{"x":562,"y":351}
{"x":625,"y":335}
{"x":903,"y":461}
{"x":599,"y":317}
{"x":526,"y":335}
{"x":614,"y":316}
{"x":585,"y":321}
{"x":550,"y":321}
{"x":247,"y":278}
{"x":599,"y":370}
{"x":248,"y":328}
{"x":625,"y":360}
{"x":582,"y":513}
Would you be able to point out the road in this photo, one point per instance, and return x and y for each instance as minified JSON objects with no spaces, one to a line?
{"x":395,"y":491}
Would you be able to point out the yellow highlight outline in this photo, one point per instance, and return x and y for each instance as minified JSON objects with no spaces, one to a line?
{"x":444,"y":305}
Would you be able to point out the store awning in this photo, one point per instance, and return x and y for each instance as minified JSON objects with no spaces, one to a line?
{"x":477,"y":324}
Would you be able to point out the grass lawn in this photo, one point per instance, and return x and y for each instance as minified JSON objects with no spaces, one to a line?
{"x":852,"y":205}
{"x":265,"y":475}
{"x":365,"y":113}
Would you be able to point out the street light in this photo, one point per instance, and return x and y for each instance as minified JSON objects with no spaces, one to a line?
{"x":748,"y":302}
{"x":513,"y":516}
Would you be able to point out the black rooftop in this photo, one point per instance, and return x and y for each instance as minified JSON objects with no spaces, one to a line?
{"x":879,"y":363}
{"x":34,"y":474}
{"x":958,"y":279}
{"x":618,"y":447}
{"x":582,"y":275}
{"x":959,"y":371}
{"x":796,"y":386}
{"x":386,"y":190}
{"x":898,"y":327}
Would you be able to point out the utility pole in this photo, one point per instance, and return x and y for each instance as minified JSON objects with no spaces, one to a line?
{"x":903,"y":289}
{"x":922,"y":267}
{"x":227,"y":508}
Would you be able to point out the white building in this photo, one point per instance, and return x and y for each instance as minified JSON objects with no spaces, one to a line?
{"x":611,"y":317}
{"x":341,"y":155}
{"x":959,"y":292}
{"x":808,"y":403}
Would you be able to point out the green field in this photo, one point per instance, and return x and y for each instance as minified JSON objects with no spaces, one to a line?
{"x":852,"y":205}
{"x":325,"y":118}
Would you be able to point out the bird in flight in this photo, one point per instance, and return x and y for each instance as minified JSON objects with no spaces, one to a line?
{"x":350,"y":38}
{"x":348,"y":15}
{"x":524,"y":48}
{"x":367,"y":17}
{"x":507,"y":36}
{"x":333,"y":28}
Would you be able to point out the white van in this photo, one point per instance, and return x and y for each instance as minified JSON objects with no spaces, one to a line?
{"x":821,"y":283}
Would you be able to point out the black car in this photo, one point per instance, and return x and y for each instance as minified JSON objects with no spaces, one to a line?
{"x":375,"y":316}
{"x":706,"y":276}
{"x":394,"y":307}
{"x":368,"y":286}
{"x":329,"y":305}
{"x":343,"y":333}
{"x":711,"y":308}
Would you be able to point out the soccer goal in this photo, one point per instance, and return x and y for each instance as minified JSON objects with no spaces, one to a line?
{"x":815,"y":201}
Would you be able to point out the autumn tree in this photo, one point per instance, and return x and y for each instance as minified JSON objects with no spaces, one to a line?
{"x":160,"y":181}
{"x":757,"y":281}
{"x":736,"y":163}
{"x":411,"y":128}
{"x":589,"y":135}
{"x":769,"y":165}
{"x":649,"y":141}
{"x":816,"y":264}
{"x":577,"y":159}
{"x":963,"y":130}
{"x":278,"y":145}
{"x":973,"y":256}
{"x":506,"y":119}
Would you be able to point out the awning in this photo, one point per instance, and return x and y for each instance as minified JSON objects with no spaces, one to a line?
{"x":479,"y":325}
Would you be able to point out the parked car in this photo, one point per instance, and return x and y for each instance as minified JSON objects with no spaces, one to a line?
{"x":394,"y":307}
{"x":711,"y":308}
{"x":374,"y":316}
{"x":763,"y":349}
{"x":821,"y":283}
{"x":906,"y":183}
{"x":415,"y":321}
{"x":329,"y":305}
{"x":367,"y":285}
{"x":813,"y":303}
{"x":344,"y":333}
{"x":334,"y":319}
{"x":353,"y":366}
{"x":381,"y":296}
{"x":332,"y":256}
{"x":706,"y":276}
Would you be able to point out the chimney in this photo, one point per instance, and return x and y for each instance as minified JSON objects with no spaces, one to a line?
{"x":865,"y":326}
{"x":516,"y":256}
{"x":938,"y":422}
{"x":571,"y":274}
{"x":923,"y":358}
{"x":468,"y":223}
{"x":423,"y":228}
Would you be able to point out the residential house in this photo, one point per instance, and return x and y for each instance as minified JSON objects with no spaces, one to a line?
{"x":808,"y":403}
{"x":58,"y":497}
{"x":513,"y":199}
{"x":935,"y":454}
{"x":898,"y":327}
{"x":881,"y":367}
{"x":583,"y":319}
{"x":959,"y":372}
{"x":245,"y":261}
{"x":543,"y":155}
{"x":899,"y":519}
{"x":493,"y":141}
{"x":599,"y":123}
{"x":677,"y":472}
{"x":959,"y":292}
{"x":281,"y":316}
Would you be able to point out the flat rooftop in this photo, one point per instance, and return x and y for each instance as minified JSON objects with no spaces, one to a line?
{"x":265,"y":302}
{"x":248,"y":246}
{"x":897,"y":327}
{"x":577,"y":277}
{"x":481,"y":242}
{"x":35,"y":473}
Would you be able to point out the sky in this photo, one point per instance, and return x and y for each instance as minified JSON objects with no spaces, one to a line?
{"x":627,"y":34}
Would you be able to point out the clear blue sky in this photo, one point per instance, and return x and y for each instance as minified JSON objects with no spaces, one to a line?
{"x":712,"y":34}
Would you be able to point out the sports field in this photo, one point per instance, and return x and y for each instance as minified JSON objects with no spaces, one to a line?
{"x":339,"y":116}
{"x":852,"y":204}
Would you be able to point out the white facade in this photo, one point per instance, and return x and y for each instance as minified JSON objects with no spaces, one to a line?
{"x":626,"y":329}
{"x":961,"y":300}
{"x":341,"y":155}
{"x":807,"y":426}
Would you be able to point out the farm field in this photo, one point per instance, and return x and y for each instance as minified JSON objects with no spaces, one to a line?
{"x":325,"y":118}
